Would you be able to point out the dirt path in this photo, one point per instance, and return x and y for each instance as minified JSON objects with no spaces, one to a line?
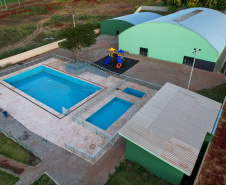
{"x":29,"y":38}
{"x":11,"y":165}
{"x":213,"y":171}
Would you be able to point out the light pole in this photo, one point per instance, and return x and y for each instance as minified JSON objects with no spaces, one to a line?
{"x":73,"y":16}
{"x":5,"y":5}
{"x":195,"y":49}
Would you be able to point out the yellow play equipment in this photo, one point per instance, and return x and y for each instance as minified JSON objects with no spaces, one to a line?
{"x":111,"y":55}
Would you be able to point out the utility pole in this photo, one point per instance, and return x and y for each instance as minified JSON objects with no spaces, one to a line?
{"x":73,"y":16}
{"x":19,"y":2}
{"x":195,"y":49}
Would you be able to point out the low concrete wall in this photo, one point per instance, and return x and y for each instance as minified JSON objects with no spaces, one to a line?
{"x":138,"y":10}
{"x":155,"y":8}
{"x":31,"y":53}
{"x":34,"y":52}
{"x":152,"y":8}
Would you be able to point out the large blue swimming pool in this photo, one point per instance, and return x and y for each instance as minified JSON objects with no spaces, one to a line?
{"x":109,"y":113}
{"x":52,"y":88}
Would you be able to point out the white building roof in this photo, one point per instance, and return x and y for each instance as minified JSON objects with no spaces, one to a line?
{"x":138,"y":18}
{"x":209,"y":24}
{"x":172,"y":126}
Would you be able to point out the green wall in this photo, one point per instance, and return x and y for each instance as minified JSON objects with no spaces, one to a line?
{"x":152,"y":163}
{"x":166,"y":42}
{"x":109,"y":27}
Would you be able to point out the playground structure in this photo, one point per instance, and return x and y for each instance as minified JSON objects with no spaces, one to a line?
{"x":113,"y":55}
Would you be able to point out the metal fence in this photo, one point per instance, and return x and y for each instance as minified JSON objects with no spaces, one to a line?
{"x":72,"y":61}
{"x":28,"y":64}
{"x":19,"y":142}
{"x":89,"y":126}
{"x":79,"y":68}
{"x":95,"y":157}
{"x":83,"y":123}
{"x":117,"y":75}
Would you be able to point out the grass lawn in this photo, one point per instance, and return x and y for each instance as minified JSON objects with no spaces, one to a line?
{"x":13,"y":150}
{"x":216,"y":93}
{"x":44,"y":180}
{"x":130,"y":173}
{"x":7,"y":179}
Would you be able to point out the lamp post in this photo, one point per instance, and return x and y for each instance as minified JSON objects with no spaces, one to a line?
{"x":195,"y":49}
{"x":73,"y":16}
{"x":5,"y":5}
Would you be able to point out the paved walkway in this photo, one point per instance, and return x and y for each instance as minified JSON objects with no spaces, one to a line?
{"x":63,"y":166}
{"x":68,"y":169}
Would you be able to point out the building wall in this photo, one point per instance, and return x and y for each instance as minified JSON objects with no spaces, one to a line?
{"x":153,"y":164}
{"x":166,"y":42}
{"x":109,"y":27}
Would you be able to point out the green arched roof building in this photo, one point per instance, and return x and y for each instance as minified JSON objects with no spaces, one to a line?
{"x":174,"y":37}
{"x":118,"y":25}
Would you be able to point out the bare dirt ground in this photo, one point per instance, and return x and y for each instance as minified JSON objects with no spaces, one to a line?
{"x":77,"y":7}
{"x":213,"y":171}
{"x":11,"y":165}
{"x":28,"y":39}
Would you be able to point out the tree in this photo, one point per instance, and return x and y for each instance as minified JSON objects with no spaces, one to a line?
{"x":193,"y":3}
{"x":173,"y":5}
{"x":216,"y":4}
{"x":78,"y":37}
{"x":213,"y":4}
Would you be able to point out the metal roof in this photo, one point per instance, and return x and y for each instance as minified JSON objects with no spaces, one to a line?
{"x":209,"y":24}
{"x":138,"y":18}
{"x":172,"y":126}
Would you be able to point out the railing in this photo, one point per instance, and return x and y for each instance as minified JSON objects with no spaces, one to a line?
{"x":97,"y":100}
{"x":95,"y":157}
{"x":72,"y":61}
{"x":83,"y":123}
{"x":79,"y":68}
{"x":121,"y":76}
{"x":19,"y":142}
{"x":28,"y":64}
{"x":89,"y":126}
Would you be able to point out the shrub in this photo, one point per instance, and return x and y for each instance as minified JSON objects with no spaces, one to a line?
{"x":57,"y":19}
{"x":135,"y":8}
{"x":23,"y":49}
{"x":14,"y":34}
{"x":40,"y":37}
{"x":85,"y":17}
{"x":37,"y":10}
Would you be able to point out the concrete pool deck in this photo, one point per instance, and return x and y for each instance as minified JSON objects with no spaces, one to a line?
{"x":65,"y":130}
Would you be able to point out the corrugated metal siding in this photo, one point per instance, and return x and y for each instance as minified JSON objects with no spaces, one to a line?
{"x":138,"y":18}
{"x":172,"y":125}
{"x":209,"y":24}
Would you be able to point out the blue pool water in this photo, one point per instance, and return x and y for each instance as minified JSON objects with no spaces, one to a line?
{"x":52,"y":88}
{"x":134,"y":92}
{"x":109,"y":113}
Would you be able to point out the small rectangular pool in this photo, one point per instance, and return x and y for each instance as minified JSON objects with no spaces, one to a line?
{"x":52,"y":88}
{"x":109,"y":113}
{"x":134,"y":92}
